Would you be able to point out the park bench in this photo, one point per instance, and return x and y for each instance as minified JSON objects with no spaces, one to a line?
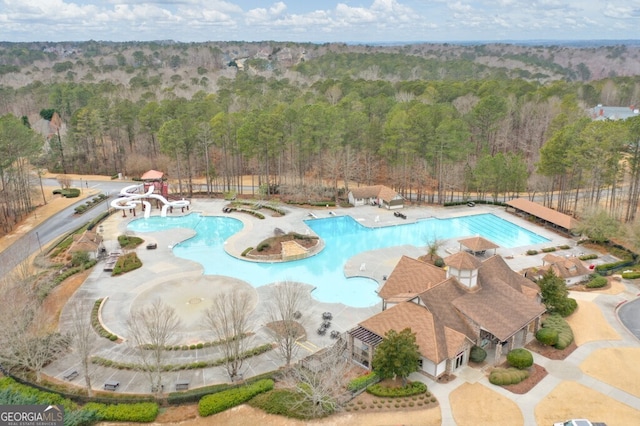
{"x":182,"y":385}
{"x":111,"y":385}
{"x":70,"y":374}
{"x":152,"y":246}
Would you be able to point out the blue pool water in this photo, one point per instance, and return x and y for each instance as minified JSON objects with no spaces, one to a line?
{"x":344,"y":237}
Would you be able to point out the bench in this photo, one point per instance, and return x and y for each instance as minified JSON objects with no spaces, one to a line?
{"x":182,"y":385}
{"x":152,"y":246}
{"x":70,"y":374}
{"x":111,"y":385}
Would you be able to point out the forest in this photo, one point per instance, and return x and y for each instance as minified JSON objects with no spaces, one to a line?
{"x":438,"y":123}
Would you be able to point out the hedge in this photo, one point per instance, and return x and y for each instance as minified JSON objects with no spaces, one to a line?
{"x":609,"y":267}
{"x":17,"y":393}
{"x":142,"y":412}
{"x":221,"y":401}
{"x":97,"y":326}
{"x":258,"y":350}
{"x":44,"y":290}
{"x":194,"y":395}
{"x":363,"y":381}
{"x":565,"y":334}
{"x":588,"y":256}
{"x":631,"y":275}
{"x":413,"y":388}
{"x":507,"y":376}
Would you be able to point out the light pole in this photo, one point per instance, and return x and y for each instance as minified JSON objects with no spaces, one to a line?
{"x":39,"y":243}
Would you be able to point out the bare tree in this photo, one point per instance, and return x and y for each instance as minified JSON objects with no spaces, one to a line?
{"x":152,"y":329}
{"x":27,"y":342}
{"x":320,"y":380}
{"x":83,"y":340}
{"x":288,"y":301}
{"x":228,"y":319}
{"x":64,"y":181}
{"x":433,"y":245}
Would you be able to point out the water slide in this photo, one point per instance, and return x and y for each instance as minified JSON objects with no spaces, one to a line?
{"x":129,"y":199}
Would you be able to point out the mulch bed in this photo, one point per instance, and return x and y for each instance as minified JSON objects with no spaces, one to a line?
{"x":536,"y":373}
{"x":549,"y":351}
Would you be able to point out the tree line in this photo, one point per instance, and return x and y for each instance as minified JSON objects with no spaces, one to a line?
{"x":432,"y":140}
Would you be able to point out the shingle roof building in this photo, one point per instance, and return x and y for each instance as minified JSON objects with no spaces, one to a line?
{"x":449,"y":315}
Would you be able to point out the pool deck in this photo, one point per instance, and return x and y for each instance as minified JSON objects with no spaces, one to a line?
{"x":182,"y":283}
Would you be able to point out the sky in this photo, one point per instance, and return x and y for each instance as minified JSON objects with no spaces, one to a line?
{"x":319,"y":21}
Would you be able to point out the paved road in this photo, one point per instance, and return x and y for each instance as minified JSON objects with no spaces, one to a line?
{"x":629,"y":315}
{"x":59,"y":224}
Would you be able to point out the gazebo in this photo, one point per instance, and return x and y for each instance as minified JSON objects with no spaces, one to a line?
{"x":155,"y":178}
{"x":478,"y":245}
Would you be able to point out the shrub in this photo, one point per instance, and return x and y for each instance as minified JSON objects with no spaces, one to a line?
{"x":413,"y":388}
{"x":285,"y":402}
{"x":507,"y":376}
{"x":597,"y":281}
{"x":247,"y":250}
{"x":566,"y":307}
{"x":631,"y":275}
{"x":547,"y":336}
{"x":565,"y":334}
{"x":520,"y":358}
{"x":477,"y":354}
{"x":548,"y":249}
{"x":439,"y":262}
{"x":362,"y":381}
{"x":532,"y":252}
{"x":80,"y":257}
{"x":588,"y":256}
{"x":142,"y":412}
{"x":564,"y":247}
{"x":218,"y":402}
{"x":263,"y":246}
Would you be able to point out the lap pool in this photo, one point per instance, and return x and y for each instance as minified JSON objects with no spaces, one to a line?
{"x":343,"y":236}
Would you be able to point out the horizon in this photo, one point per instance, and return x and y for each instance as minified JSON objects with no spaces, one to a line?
{"x":359,"y":21}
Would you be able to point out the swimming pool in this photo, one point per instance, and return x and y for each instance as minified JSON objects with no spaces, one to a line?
{"x":343,"y":236}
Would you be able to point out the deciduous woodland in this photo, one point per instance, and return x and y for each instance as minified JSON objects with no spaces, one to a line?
{"x":435,"y":122}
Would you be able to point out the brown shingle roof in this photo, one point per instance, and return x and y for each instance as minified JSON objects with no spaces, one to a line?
{"x":411,"y":277}
{"x":421,"y":322}
{"x":383,"y":192}
{"x":478,"y":244}
{"x":564,"y":267}
{"x":462,"y":260}
{"x":560,"y":219}
{"x":503,"y":303}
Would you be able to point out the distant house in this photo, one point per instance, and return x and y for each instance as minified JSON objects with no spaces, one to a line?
{"x":570,"y":269}
{"x":603,"y":112}
{"x":379,"y":195}
{"x":470,"y":303}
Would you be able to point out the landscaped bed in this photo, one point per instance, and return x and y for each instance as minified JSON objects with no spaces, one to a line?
{"x":273,"y":246}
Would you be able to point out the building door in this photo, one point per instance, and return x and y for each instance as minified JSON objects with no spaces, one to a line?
{"x":459,"y":361}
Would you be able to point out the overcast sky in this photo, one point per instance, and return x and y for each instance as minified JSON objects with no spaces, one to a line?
{"x":318,"y":20}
